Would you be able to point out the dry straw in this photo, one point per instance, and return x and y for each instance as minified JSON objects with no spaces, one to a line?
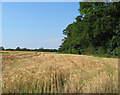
{"x":34,"y":72}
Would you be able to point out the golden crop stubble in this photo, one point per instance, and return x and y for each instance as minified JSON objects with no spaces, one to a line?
{"x":52,"y":73}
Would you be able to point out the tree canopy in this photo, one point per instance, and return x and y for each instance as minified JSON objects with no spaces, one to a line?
{"x":96,"y":30}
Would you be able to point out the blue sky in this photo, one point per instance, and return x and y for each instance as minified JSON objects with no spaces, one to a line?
{"x":36,"y":25}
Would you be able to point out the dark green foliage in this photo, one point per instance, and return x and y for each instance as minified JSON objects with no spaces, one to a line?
{"x":10,"y":49}
{"x":2,"y":48}
{"x":25,"y":49}
{"x":17,"y":49}
{"x":96,"y":30}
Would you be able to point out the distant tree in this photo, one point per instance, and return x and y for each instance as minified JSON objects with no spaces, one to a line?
{"x":2,"y":48}
{"x":10,"y":49}
{"x":41,"y":48}
{"x":18,"y":48}
{"x":24,"y":49}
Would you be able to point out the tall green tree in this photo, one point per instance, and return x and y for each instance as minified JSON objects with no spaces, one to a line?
{"x":96,"y":30}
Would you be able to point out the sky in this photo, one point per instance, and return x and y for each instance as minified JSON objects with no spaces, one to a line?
{"x":36,"y":24}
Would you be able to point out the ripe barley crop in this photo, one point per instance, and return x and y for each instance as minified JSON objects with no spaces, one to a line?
{"x":31,"y":72}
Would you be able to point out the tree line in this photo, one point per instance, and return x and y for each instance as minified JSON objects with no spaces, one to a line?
{"x":25,"y":49}
{"x":96,"y":30}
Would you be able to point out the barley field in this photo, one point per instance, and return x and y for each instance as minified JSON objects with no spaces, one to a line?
{"x":42,"y":72}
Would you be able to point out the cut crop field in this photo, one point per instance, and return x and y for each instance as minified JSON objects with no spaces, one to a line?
{"x":41,"y":72}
